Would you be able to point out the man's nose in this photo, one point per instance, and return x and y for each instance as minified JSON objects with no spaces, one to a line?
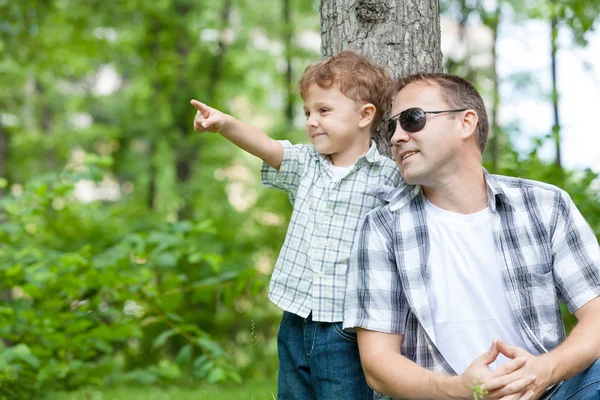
{"x":400,"y":135}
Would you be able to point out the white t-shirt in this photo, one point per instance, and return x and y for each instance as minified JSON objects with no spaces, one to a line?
{"x":466,"y":292}
{"x":339,"y":173}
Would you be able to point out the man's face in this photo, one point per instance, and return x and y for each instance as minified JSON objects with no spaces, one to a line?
{"x":426,"y":155}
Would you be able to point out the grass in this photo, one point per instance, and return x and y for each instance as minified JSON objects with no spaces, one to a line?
{"x":251,"y":390}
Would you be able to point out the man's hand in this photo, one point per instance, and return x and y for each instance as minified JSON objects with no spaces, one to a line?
{"x":509,"y":382}
{"x":208,"y":119}
{"x":534,"y":366}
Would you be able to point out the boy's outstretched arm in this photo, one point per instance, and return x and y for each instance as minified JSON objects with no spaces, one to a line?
{"x":246,"y":137}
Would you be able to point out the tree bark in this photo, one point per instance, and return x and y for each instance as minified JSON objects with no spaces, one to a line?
{"x":5,"y":295}
{"x":495,"y":142}
{"x":289,"y":84}
{"x":188,"y":152}
{"x":556,"y":126}
{"x":215,"y":75}
{"x":3,"y":154}
{"x":403,"y":35}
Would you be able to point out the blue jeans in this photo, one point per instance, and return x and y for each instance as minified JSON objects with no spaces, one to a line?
{"x":584,"y":386}
{"x":318,"y":360}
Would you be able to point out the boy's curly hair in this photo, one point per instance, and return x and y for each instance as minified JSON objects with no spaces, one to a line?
{"x":357,"y":77}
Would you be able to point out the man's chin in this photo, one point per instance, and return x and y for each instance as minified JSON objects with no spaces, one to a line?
{"x":410,"y":178}
{"x":407,"y":180}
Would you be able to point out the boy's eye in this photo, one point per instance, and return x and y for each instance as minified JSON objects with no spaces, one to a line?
{"x":323,"y":110}
{"x":306,"y":114}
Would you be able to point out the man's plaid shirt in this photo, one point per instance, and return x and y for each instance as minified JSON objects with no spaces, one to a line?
{"x":546,"y":249}
{"x":310,"y":273}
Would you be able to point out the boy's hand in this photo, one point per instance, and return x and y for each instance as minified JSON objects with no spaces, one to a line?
{"x":209,"y":119}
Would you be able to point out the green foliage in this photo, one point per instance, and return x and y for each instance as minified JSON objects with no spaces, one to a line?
{"x":74,"y":304}
{"x":160,"y":282}
{"x":18,"y":372}
{"x":478,"y":393}
{"x":250,"y":390}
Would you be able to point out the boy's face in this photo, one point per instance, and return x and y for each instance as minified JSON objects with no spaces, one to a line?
{"x":332,"y":124}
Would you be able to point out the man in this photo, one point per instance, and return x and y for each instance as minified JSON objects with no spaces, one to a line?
{"x":459,"y":259}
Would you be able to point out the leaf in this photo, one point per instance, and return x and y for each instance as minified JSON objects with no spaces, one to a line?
{"x":175,"y":317}
{"x":163,"y":337}
{"x":202,"y":369}
{"x":184,"y":356}
{"x":23,"y":352}
{"x":166,"y":260}
{"x":183,"y":226}
{"x":214,"y":260}
{"x":200,"y":361}
{"x":205,"y":226}
{"x":216,"y":375}
{"x":195,"y":258}
{"x":140,"y":376}
{"x":211,"y":346}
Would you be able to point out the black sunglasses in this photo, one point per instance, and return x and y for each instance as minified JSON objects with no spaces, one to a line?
{"x":411,"y":120}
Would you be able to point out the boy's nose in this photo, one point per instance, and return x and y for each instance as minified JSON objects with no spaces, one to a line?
{"x":312,"y":121}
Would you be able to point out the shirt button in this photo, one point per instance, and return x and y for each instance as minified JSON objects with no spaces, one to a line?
{"x":319,"y":275}
{"x":325,"y":242}
{"x":330,"y":212}
{"x":430,"y":347}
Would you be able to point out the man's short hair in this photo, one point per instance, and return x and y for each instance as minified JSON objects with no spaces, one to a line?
{"x":357,"y":77}
{"x":457,"y":93}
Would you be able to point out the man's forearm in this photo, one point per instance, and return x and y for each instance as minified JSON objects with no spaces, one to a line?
{"x":577,"y":353}
{"x":396,"y":376}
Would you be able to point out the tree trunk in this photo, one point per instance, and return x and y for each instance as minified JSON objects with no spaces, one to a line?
{"x":188,"y":152}
{"x":402,"y":35}
{"x":495,"y":142}
{"x":5,"y":295}
{"x":556,"y":126}
{"x":3,"y":155}
{"x":217,"y":68}
{"x":289,"y":84}
{"x":46,"y":120}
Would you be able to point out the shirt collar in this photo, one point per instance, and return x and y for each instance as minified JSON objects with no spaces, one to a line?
{"x":496,"y":194}
{"x":371,"y":156}
{"x":399,"y":196}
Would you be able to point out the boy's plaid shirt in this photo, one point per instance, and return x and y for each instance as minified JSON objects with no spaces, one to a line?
{"x":546,"y":249}
{"x":310,"y":273}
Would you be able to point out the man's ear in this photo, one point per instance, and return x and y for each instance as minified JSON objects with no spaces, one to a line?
{"x":367,"y":113}
{"x":468,"y":124}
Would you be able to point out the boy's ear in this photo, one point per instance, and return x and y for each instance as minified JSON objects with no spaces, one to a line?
{"x":367,"y":113}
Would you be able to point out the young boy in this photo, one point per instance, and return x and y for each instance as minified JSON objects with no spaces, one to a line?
{"x":329,"y":184}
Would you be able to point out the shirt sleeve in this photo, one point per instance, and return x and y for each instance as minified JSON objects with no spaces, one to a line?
{"x":287,"y":178}
{"x":374,"y":298}
{"x":576,"y":256}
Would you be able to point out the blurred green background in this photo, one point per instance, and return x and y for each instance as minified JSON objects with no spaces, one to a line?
{"x":135,"y":254}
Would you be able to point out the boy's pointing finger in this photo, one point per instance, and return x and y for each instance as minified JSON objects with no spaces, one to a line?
{"x":203,"y":108}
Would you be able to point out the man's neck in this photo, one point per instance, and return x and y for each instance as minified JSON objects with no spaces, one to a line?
{"x":464,"y":192}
